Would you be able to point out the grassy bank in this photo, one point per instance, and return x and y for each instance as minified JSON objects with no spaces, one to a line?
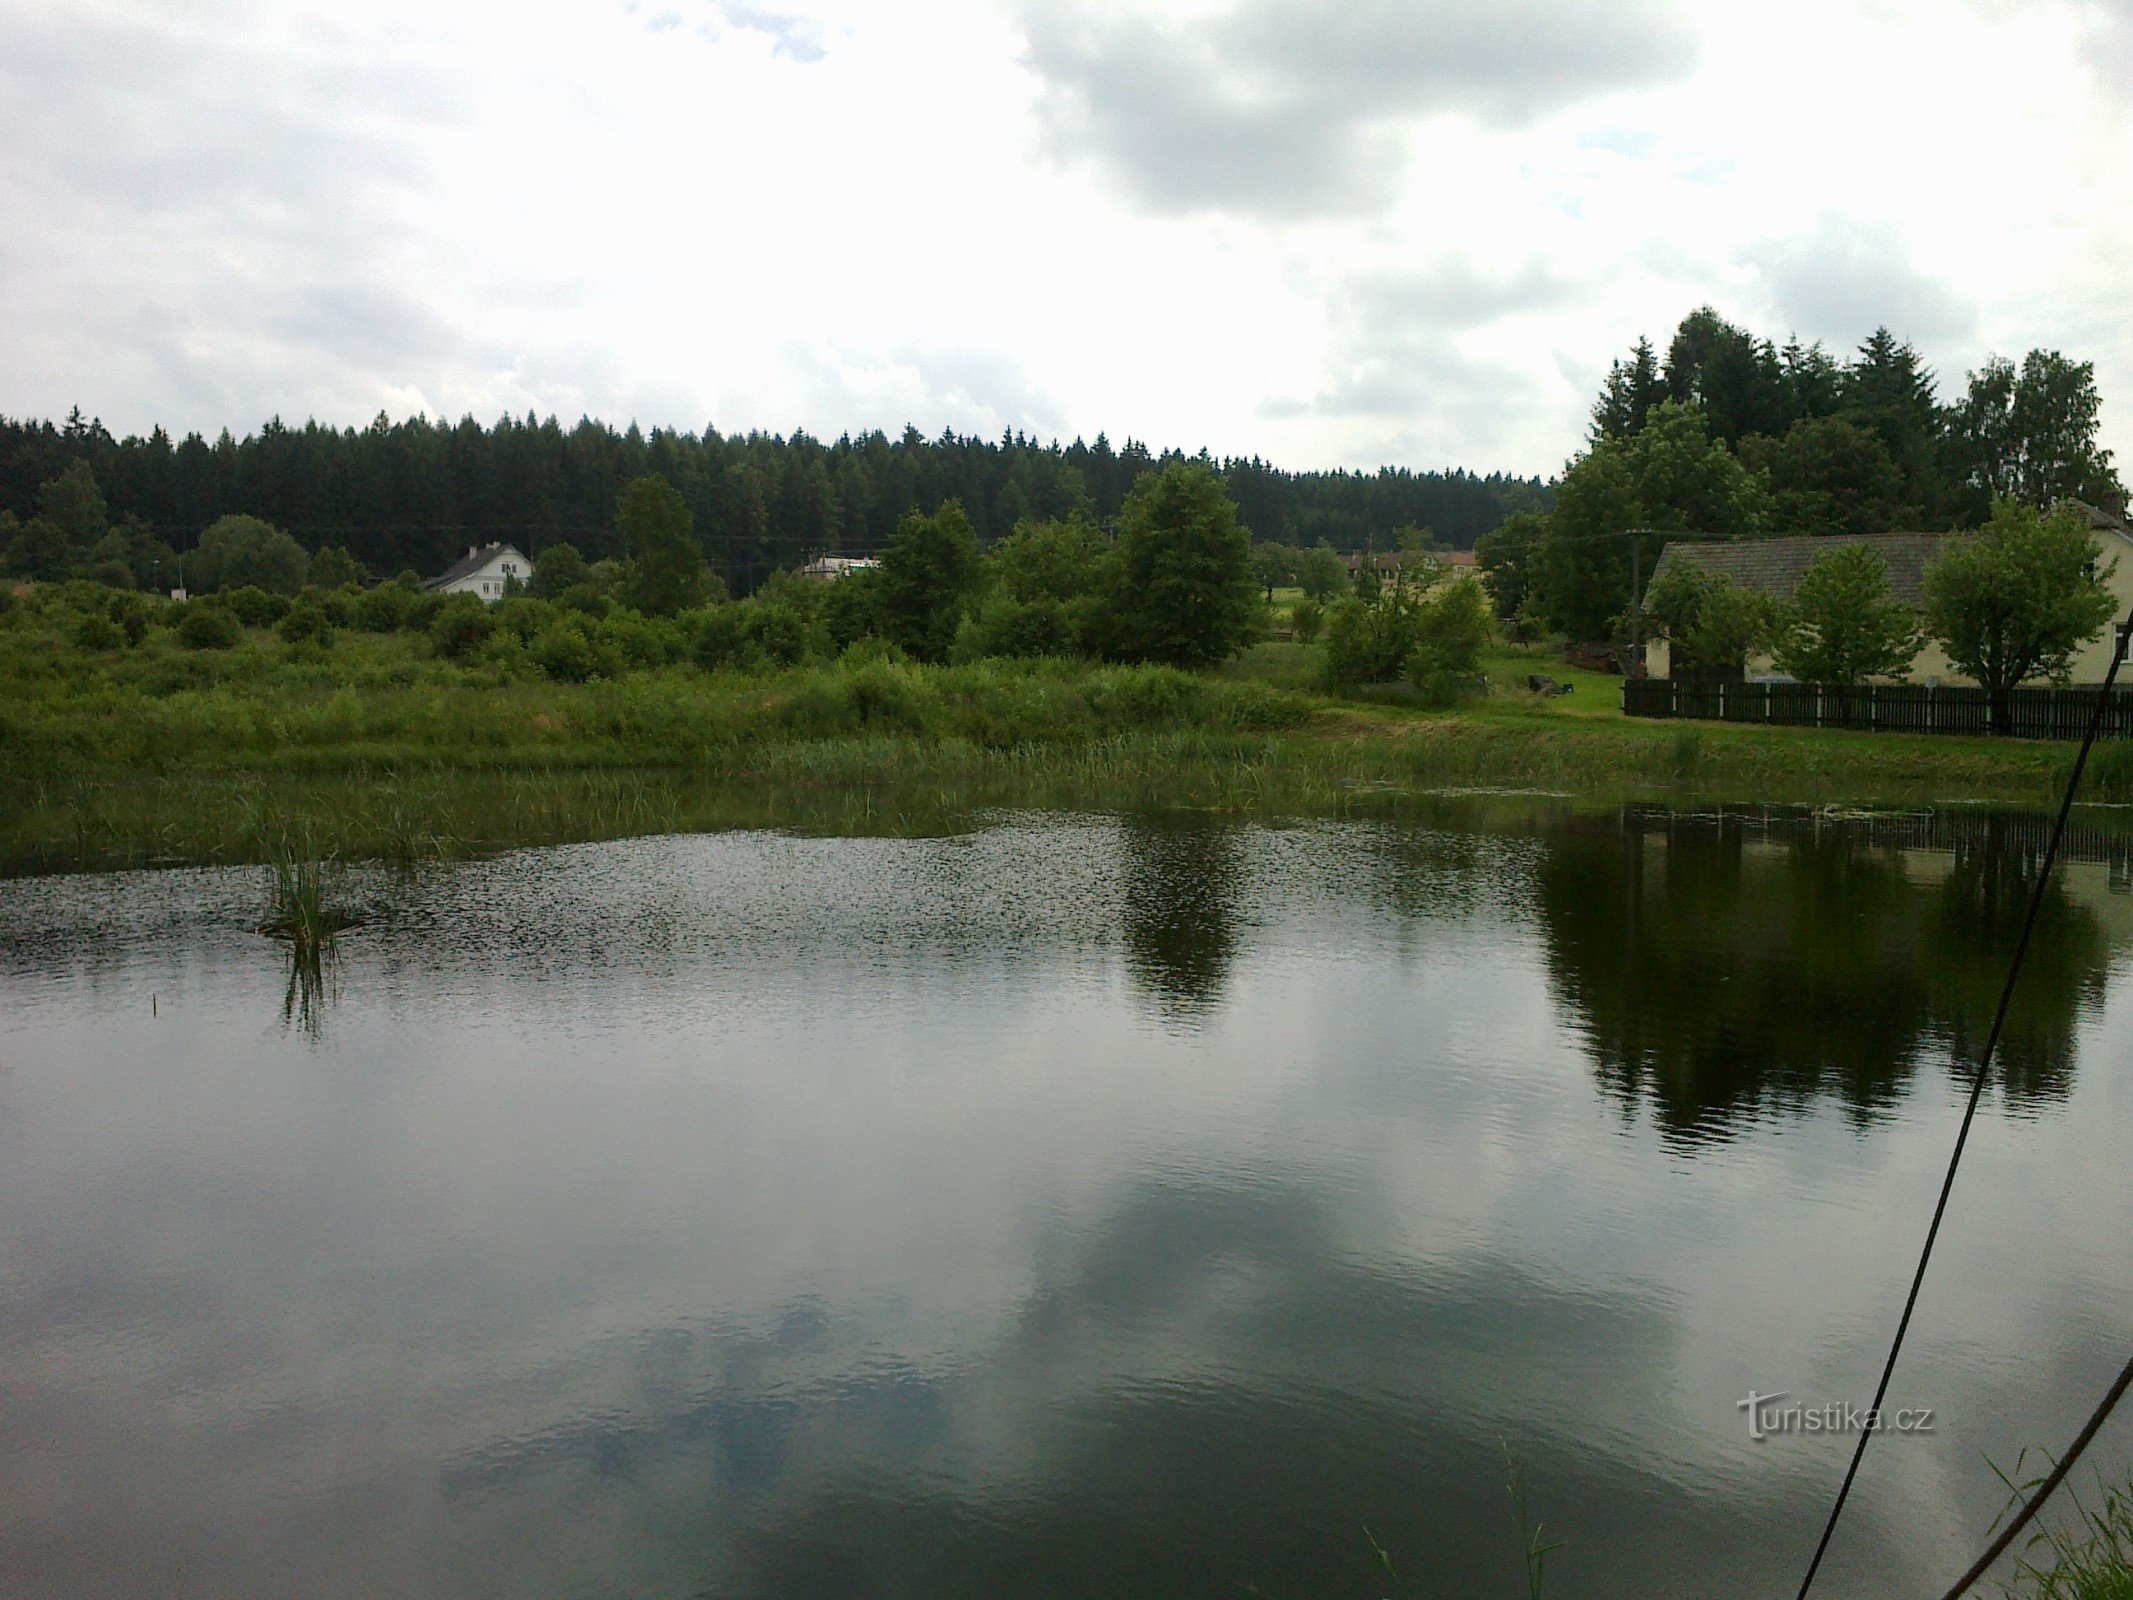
{"x":386,"y":748}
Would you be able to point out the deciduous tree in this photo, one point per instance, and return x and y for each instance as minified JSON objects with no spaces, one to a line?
{"x":2017,"y":601}
{"x":1843,"y":627}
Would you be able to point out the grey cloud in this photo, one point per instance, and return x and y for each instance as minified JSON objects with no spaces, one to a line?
{"x":1845,"y":278}
{"x":972,"y":390}
{"x":141,"y":116}
{"x":1395,"y":360}
{"x":1284,"y":109}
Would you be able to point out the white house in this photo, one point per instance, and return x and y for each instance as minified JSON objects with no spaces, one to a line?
{"x":483,"y":571}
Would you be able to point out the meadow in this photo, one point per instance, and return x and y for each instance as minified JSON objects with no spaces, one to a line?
{"x":127,"y":744}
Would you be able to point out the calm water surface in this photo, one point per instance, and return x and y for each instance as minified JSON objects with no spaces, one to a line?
{"x":1076,"y":1207}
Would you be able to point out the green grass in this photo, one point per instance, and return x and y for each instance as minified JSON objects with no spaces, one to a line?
{"x":2084,"y":1550}
{"x":157,"y":753}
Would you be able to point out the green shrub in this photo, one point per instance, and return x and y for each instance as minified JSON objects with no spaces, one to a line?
{"x":778,"y":634}
{"x":306,"y":622}
{"x":1307,"y":618}
{"x":209,"y":627}
{"x":385,"y":609}
{"x":522,"y":617}
{"x":585,"y":599}
{"x":568,"y":654}
{"x":254,"y":607}
{"x":113,"y":575}
{"x":461,"y":626}
{"x":98,"y":632}
{"x":1017,"y":628}
{"x":720,"y":637}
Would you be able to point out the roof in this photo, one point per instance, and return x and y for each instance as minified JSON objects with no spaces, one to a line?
{"x":470,"y":563}
{"x":1399,"y":560}
{"x":1775,"y":566}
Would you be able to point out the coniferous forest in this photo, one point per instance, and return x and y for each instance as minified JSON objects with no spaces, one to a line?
{"x":415,"y":494}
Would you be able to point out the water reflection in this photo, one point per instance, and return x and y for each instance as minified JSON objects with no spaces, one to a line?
{"x":1718,"y":974}
{"x":757,"y":1216}
{"x":1180,"y":880}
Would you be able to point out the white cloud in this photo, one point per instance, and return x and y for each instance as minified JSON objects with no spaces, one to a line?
{"x":1330,"y":236}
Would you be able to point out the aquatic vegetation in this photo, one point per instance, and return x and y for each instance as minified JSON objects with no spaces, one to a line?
{"x":308,"y":906}
{"x":2085,"y":1552}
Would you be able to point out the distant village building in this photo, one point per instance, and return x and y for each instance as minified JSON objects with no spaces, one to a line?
{"x":828,"y":569}
{"x":1387,"y":563}
{"x":483,"y":571}
{"x":1776,"y":566}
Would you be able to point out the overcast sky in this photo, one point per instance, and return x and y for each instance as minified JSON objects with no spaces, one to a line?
{"x":1334,"y":234}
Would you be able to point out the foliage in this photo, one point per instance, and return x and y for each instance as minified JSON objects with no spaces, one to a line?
{"x":1843,"y":627}
{"x":306,"y":622}
{"x":1670,"y":476}
{"x":1451,"y":629}
{"x":666,"y":563}
{"x":1827,"y":475}
{"x":2030,"y":435}
{"x":1504,"y":557}
{"x":255,"y":607}
{"x":1307,"y":618}
{"x":1368,"y":641}
{"x":461,"y":626}
{"x":556,"y":569}
{"x":333,"y":567}
{"x":927,"y":575}
{"x":1712,"y":623}
{"x":415,"y":493}
{"x":240,"y":551}
{"x":206,"y":626}
{"x":2015,"y":602}
{"x":1181,"y":591}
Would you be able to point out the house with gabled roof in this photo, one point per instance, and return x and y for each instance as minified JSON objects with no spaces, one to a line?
{"x":1775,"y":567}
{"x":485,"y":570}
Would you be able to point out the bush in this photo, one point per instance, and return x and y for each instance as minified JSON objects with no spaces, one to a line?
{"x":585,"y":599}
{"x":1017,"y":628}
{"x":209,"y":627}
{"x":461,"y":626}
{"x":720,"y":637}
{"x":1307,"y":618}
{"x":385,"y":609}
{"x":254,"y":607}
{"x":521,"y":617}
{"x":778,"y":634}
{"x":98,"y":632}
{"x":306,"y":622}
{"x":568,"y":654}
{"x":643,"y":641}
{"x":113,"y":575}
{"x":1367,"y":641}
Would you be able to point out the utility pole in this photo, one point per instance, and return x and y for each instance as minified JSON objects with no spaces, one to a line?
{"x":1636,"y":605}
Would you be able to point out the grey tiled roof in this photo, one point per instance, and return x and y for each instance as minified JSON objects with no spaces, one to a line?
{"x":1775,"y":566}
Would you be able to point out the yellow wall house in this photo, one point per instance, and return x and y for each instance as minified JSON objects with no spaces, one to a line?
{"x":1775,"y":567}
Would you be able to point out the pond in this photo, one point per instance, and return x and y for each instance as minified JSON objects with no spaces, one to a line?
{"x":1070,"y":1206}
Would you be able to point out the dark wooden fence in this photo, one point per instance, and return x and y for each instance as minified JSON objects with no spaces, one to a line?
{"x":1881,"y":707}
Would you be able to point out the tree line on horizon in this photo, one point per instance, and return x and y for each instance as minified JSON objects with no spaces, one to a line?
{"x":416,"y":493}
{"x":1729,"y":435}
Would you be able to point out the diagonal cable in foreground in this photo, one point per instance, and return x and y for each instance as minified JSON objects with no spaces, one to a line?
{"x":1977,"y":1094}
{"x":2035,"y":1503}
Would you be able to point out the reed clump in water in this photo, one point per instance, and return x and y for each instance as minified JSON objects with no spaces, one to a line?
{"x":306,"y":904}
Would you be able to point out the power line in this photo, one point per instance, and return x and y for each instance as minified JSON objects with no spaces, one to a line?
{"x":1977,"y":1094}
{"x":2022,"y":1519}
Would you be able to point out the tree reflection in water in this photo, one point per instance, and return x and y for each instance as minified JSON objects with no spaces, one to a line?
{"x":1180,"y":888}
{"x":1719,"y":977}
